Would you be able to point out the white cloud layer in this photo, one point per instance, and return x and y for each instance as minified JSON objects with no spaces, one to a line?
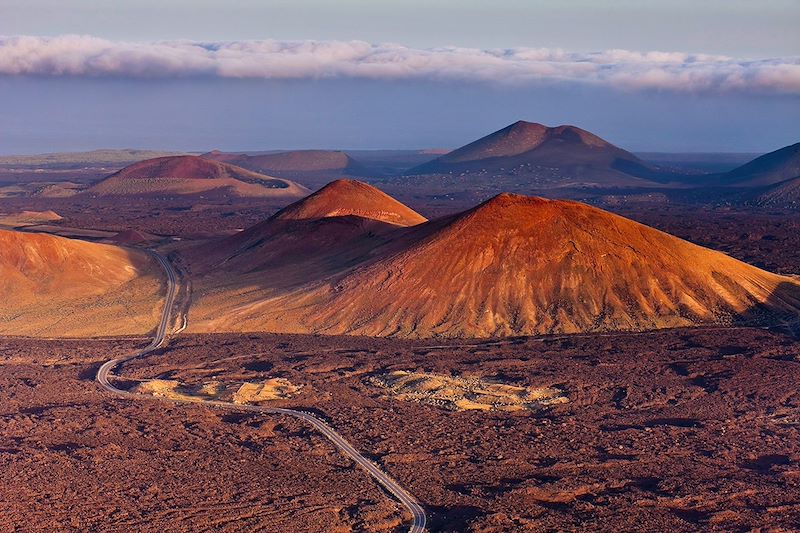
{"x":86,"y":56}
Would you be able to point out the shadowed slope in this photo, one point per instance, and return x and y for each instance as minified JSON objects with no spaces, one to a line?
{"x":184,"y":175}
{"x":785,"y":195}
{"x":517,"y":266}
{"x":327,"y":232}
{"x":63,"y":287}
{"x":771,"y":168}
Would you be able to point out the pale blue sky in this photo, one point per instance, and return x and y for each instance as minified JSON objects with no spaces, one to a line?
{"x":738,"y":27}
{"x":156,"y":97}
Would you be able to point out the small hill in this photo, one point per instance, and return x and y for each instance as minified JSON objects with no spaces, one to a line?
{"x":351,"y":197}
{"x":292,"y":162}
{"x":785,"y":194}
{"x":53,"y":286}
{"x":331,"y":230}
{"x":562,"y":155}
{"x":132,"y":236}
{"x":514,"y":265}
{"x":769,"y":169}
{"x":193,"y":175}
{"x":28,"y":218}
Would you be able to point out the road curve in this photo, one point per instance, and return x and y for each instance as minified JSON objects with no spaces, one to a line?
{"x":419,"y":521}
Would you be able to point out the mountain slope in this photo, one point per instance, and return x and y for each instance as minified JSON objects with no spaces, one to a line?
{"x":64,"y":287}
{"x":327,"y":232}
{"x":514,"y":266}
{"x":562,"y":155}
{"x":769,"y":169}
{"x":188,"y":175}
{"x":785,"y":194}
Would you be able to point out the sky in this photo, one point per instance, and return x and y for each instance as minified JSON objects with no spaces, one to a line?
{"x":648,"y":75}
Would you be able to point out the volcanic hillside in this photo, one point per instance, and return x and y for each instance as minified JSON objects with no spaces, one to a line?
{"x":769,"y":169}
{"x":292,"y":162}
{"x":785,"y":194}
{"x":54,"y":286}
{"x":512,"y":266}
{"x":560,"y":156}
{"x":351,"y":197}
{"x":191,"y":175}
{"x":329,"y":231}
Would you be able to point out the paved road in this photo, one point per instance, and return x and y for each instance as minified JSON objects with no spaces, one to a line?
{"x":409,"y":502}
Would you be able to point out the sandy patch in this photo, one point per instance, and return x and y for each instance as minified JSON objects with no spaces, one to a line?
{"x":464,"y":393}
{"x":240,"y":393}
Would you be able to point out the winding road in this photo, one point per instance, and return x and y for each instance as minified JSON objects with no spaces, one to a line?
{"x":419,"y":521}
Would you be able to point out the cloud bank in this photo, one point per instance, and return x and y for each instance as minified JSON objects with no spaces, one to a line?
{"x":86,"y":56}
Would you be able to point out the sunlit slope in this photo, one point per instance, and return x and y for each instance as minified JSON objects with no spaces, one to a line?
{"x":53,"y":286}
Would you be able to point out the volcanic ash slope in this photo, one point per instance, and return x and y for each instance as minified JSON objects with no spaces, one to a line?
{"x":517,"y":265}
{"x":57,"y":287}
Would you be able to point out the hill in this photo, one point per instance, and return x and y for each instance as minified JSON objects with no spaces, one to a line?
{"x":769,"y":169}
{"x":327,"y":232}
{"x":193,"y":175}
{"x":512,"y":266}
{"x":351,"y":197}
{"x":29,"y":218}
{"x":564,"y":156}
{"x":53,"y":286}
{"x":292,"y":162}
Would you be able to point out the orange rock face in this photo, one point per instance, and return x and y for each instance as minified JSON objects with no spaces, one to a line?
{"x":351,"y":197}
{"x":514,"y":265}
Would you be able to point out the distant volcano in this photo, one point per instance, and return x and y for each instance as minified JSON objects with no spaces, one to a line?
{"x":294,"y":161}
{"x":187,"y":175}
{"x":769,"y":169}
{"x":559,"y":156}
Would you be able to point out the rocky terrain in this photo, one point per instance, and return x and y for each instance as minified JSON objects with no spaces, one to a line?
{"x":675,"y":430}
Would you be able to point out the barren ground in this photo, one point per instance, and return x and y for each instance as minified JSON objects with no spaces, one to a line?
{"x":674,"y":430}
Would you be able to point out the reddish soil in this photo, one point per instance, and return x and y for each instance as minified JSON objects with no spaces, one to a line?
{"x":676,"y":430}
{"x":77,"y":459}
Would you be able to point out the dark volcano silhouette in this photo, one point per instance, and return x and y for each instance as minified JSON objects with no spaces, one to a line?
{"x":769,"y":169}
{"x":561,"y":156}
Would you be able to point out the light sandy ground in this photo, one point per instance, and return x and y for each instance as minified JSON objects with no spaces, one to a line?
{"x":464,"y":393}
{"x":241,"y":393}
{"x":28,"y":218}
